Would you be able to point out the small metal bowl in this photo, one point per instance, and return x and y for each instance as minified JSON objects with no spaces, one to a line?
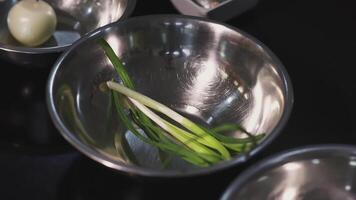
{"x":325,"y":172}
{"x":75,"y":18}
{"x":208,"y":71}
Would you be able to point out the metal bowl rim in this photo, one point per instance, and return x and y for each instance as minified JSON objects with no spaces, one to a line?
{"x":57,"y":49}
{"x":105,"y":160}
{"x":282,"y":158}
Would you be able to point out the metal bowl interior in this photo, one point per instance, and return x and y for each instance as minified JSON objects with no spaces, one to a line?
{"x":207,"y":71}
{"x":318,"y":173}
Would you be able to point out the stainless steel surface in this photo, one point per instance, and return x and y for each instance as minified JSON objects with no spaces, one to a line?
{"x":221,"y":10}
{"x":312,"y":173}
{"x":205,"y":70}
{"x":209,"y":4}
{"x":75,"y":18}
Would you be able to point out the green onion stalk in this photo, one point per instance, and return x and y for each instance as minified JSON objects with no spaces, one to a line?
{"x":182,"y":137}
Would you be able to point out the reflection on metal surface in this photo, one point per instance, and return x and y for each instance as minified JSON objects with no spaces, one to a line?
{"x":289,"y":193}
{"x":215,"y":9}
{"x":347,"y":187}
{"x":264,"y":101}
{"x":263,"y":178}
{"x":352,"y":163}
{"x":292,"y":166}
{"x":209,"y":3}
{"x":192,"y":110}
{"x":201,"y":84}
{"x":204,"y":70}
{"x":315,"y":161}
{"x":115,"y":43}
{"x":324,"y":174}
{"x":287,"y":189}
{"x":69,"y":112}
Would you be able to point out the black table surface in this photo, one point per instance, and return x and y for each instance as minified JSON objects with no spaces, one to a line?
{"x":315,"y":40}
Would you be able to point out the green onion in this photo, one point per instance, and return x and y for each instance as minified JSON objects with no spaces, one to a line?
{"x":205,"y":138}
{"x":196,"y":144}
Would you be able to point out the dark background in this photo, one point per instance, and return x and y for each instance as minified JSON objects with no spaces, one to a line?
{"x":315,"y":40}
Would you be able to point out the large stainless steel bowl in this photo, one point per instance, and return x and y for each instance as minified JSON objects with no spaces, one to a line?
{"x":325,"y":172}
{"x":208,"y":71}
{"x":75,"y":18}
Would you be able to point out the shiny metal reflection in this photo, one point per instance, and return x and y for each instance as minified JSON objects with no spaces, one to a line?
{"x":203,"y":69}
{"x":317,"y":173}
{"x":209,"y":4}
{"x":221,"y":10}
{"x":75,"y":18}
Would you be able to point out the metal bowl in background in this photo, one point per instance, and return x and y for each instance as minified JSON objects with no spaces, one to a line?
{"x":208,"y":71}
{"x":75,"y":18}
{"x":325,"y":172}
{"x":221,"y":10}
